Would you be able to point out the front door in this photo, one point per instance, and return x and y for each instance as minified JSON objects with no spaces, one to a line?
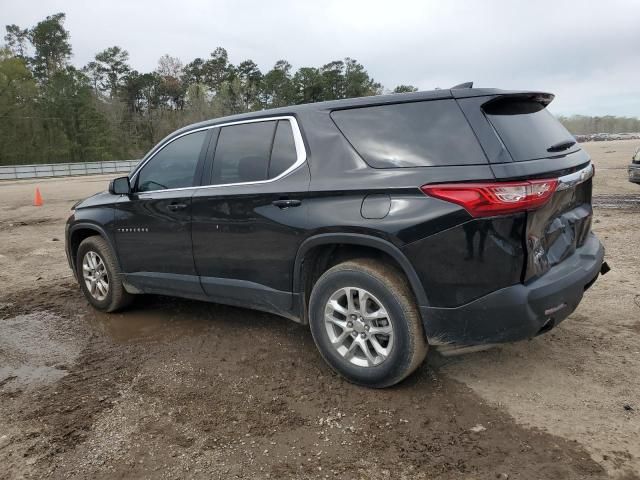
{"x":153,"y":224}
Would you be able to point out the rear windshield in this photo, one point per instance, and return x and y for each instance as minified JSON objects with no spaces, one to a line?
{"x":417,"y":134}
{"x":528,"y":130}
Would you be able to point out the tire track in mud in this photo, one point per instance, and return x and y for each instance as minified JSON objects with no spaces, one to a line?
{"x":618,"y":202}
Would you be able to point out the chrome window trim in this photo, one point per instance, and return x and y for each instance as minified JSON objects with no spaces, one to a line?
{"x":301,"y":153}
{"x":575,"y":178}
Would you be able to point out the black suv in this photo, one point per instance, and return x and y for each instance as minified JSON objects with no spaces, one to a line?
{"x":451,"y":218}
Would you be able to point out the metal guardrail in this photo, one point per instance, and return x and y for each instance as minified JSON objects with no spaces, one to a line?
{"x":13,"y":172}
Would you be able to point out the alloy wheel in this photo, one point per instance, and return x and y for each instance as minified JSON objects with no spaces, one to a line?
{"x":95,"y":275}
{"x":358,"y":326}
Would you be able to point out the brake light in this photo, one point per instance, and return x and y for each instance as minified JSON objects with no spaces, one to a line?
{"x":496,"y":198}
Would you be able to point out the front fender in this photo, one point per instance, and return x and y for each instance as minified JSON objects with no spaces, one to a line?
{"x":85,"y":226}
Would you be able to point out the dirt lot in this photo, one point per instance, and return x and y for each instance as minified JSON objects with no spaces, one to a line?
{"x":174,"y":389}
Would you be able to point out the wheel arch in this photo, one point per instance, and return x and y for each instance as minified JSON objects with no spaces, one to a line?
{"x":370,"y":243}
{"x":80,"y":231}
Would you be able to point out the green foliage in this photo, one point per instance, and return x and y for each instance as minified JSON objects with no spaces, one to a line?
{"x":277,"y":86}
{"x":108,"y":70}
{"x":51,"y":43}
{"x":17,"y":39}
{"x":48,"y":110}
{"x":405,"y":89}
{"x":18,"y":94}
{"x":53,"y":112}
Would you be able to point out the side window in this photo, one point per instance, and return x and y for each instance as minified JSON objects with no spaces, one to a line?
{"x":417,"y":134}
{"x":174,"y":166}
{"x":242,"y":153}
{"x":283,"y":153}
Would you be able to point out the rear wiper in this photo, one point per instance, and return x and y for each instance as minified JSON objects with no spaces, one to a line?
{"x":562,"y":145}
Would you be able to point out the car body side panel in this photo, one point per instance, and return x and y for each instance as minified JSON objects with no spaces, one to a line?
{"x":411,"y":217}
{"x":469,"y":260}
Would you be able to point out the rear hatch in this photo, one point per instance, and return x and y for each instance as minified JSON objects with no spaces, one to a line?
{"x":523,"y":142}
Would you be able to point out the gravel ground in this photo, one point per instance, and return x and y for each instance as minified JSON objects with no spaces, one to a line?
{"x":175,"y":388}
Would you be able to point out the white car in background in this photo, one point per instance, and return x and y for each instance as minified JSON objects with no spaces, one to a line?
{"x":634,"y":168}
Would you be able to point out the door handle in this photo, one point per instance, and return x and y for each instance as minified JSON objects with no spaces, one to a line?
{"x":176,"y":206}
{"x":286,"y":203}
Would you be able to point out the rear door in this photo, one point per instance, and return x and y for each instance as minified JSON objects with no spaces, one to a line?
{"x":248,"y":224}
{"x":525,"y":141}
{"x":153,"y":224}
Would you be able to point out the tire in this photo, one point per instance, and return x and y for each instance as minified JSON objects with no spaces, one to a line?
{"x":376,"y":283}
{"x":116,"y":297}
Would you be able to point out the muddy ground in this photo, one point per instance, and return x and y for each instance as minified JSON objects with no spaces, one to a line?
{"x":176,"y":388}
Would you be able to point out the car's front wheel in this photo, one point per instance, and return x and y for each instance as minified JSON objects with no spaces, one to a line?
{"x":99,"y":275}
{"x":365,"y":323}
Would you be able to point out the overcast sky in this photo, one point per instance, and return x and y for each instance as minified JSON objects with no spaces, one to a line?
{"x":586,"y":52}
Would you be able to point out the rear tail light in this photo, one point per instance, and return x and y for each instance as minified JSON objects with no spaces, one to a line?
{"x":496,"y":198}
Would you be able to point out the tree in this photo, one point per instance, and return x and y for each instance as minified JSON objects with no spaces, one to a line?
{"x":307,"y":83}
{"x":18,"y":92}
{"x":81,"y":132}
{"x":250,"y":78}
{"x":171,"y":88}
{"x":52,"y":47}
{"x":17,"y":39}
{"x":357,"y":80}
{"x":53,"y":109}
{"x":333,"y":80}
{"x":193,"y":72}
{"x":277,"y":87}
{"x":405,"y":89}
{"x":108,"y":70}
{"x":216,"y":70}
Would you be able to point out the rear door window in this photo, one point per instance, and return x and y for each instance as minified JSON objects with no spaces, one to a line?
{"x":416,"y":134}
{"x":528,"y":129}
{"x":242,"y":153}
{"x":283,"y":153}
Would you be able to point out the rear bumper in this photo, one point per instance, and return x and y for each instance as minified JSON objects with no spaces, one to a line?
{"x":520,"y":311}
{"x":634,"y":173}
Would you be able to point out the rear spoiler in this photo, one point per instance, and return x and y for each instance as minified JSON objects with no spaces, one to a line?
{"x":517,"y":103}
{"x":540,"y":97}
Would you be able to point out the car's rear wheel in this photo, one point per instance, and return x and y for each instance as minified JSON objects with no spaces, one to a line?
{"x":99,"y":275}
{"x":365,"y":323}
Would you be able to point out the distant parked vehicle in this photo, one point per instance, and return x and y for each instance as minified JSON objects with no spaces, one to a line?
{"x":606,"y":137}
{"x":634,"y":168}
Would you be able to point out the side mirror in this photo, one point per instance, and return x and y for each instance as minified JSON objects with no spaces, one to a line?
{"x":120,"y":186}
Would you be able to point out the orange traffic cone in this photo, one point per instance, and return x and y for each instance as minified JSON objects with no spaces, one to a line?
{"x":37,"y":200}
